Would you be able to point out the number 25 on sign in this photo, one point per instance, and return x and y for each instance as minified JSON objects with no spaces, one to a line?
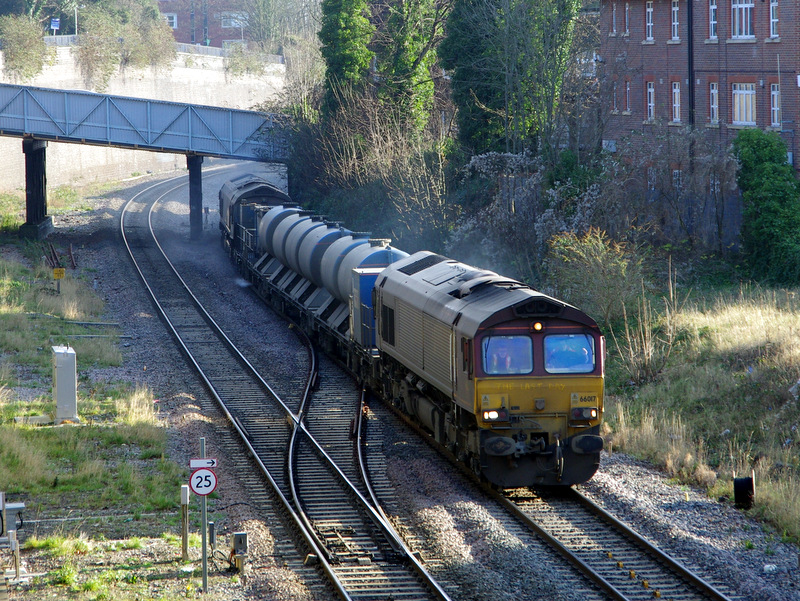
{"x":203,"y":481}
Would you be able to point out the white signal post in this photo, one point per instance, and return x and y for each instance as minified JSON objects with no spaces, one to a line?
{"x":203,"y":482}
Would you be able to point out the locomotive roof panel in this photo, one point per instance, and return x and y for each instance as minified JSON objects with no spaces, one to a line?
{"x":250,"y":186}
{"x":475,"y":299}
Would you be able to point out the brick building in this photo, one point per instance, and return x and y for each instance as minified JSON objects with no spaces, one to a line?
{"x":217,"y":23}
{"x":700,"y":69}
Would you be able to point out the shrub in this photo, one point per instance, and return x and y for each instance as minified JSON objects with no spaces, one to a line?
{"x":24,"y":50}
{"x":599,"y":276}
{"x":771,"y":195}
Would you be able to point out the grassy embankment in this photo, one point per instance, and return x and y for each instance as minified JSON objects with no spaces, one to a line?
{"x":705,"y":386}
{"x":108,"y":476}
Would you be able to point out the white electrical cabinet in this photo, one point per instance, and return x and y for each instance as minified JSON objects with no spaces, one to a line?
{"x":65,"y":384}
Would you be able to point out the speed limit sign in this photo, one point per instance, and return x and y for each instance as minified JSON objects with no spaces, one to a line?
{"x":203,"y":481}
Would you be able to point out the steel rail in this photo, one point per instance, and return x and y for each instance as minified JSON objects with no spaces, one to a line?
{"x":298,"y":426}
{"x":307,"y":535}
{"x":650,"y":548}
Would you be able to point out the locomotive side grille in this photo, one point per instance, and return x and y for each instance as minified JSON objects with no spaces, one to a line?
{"x":437,"y":349}
{"x":423,"y":263}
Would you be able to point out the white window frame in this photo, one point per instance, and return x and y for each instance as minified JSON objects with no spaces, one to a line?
{"x":743,"y":104}
{"x":627,"y":97}
{"x":742,"y":19}
{"x":651,"y":178}
{"x":713,"y":102}
{"x":648,"y":20}
{"x":651,"y":101}
{"x":614,"y":92}
{"x":613,"y":18}
{"x":712,"y":19}
{"x":676,"y":25}
{"x":627,"y":18}
{"x":233,"y":20}
{"x":773,"y":19}
{"x":677,"y":180}
{"x":171,"y":19}
{"x":775,"y":104}
{"x":676,"y":102}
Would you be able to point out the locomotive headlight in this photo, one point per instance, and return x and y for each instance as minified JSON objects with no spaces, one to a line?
{"x":495,"y":415}
{"x":537,"y":326}
{"x":584,"y":413}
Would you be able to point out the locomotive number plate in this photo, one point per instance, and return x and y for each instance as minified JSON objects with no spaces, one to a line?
{"x":583,"y":398}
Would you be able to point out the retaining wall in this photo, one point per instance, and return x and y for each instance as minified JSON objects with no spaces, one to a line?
{"x":192,"y":78}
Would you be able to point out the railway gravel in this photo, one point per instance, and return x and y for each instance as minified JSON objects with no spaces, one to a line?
{"x":488,"y":561}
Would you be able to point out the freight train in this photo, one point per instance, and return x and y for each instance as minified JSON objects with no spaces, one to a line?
{"x":508,"y":379}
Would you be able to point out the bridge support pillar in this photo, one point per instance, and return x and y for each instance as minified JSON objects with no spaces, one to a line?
{"x":194,"y":164}
{"x":38,"y":224}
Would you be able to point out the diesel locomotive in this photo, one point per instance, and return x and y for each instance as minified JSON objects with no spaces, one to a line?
{"x":509,"y":379}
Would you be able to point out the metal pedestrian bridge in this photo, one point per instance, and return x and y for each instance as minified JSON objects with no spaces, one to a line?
{"x":42,"y":115}
{"x":105,"y":120}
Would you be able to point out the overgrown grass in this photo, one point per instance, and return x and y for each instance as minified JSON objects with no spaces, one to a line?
{"x":724,"y":398}
{"x":119,"y":462}
{"x":34,"y":317}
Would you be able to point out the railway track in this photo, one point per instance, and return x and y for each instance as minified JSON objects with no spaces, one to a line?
{"x":621,"y":562}
{"x":342,"y":530}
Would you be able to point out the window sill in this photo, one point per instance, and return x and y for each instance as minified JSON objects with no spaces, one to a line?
{"x":774,"y":40}
{"x":711,"y":41}
{"x":742,"y":126}
{"x":671,"y":42}
{"x":741,"y":40}
{"x":674,"y":123}
{"x":712,"y":125}
{"x":626,"y":113}
{"x":648,"y":42}
{"x":649,"y":122}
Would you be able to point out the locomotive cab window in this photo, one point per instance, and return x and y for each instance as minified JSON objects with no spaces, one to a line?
{"x":569,"y":354}
{"x":505,"y":355}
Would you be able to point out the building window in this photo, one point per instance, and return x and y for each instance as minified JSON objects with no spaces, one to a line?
{"x":627,"y":18}
{"x":714,"y":185}
{"x":775,"y":104}
{"x":744,"y":104}
{"x":742,"y":18}
{"x":171,"y":19}
{"x":614,"y":18}
{"x":651,"y":100}
{"x":713,"y":102}
{"x":234,"y":20}
{"x":614,"y":101}
{"x":648,"y":20}
{"x":676,"y":102}
{"x":712,"y":19}
{"x":627,"y":97}
{"x":677,"y":183}
{"x":675,"y":20}
{"x":773,"y":18}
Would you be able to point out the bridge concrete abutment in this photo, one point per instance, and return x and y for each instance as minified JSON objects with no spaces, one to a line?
{"x":194,"y":163}
{"x":38,"y":224}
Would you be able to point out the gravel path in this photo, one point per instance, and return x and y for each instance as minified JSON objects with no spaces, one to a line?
{"x":723,"y":544}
